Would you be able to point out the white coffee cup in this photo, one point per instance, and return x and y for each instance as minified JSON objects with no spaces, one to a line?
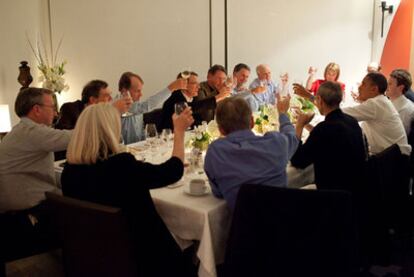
{"x":197,"y":186}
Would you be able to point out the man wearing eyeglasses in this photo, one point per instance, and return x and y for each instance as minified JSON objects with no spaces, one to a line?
{"x":26,"y":167}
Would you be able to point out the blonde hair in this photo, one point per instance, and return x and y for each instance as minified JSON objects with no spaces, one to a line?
{"x":96,"y":135}
{"x":332,"y":67}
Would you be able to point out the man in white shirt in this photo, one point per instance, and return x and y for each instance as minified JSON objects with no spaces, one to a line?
{"x":380,"y":120}
{"x":398,"y":84}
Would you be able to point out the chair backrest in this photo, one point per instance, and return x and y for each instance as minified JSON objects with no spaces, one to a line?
{"x":410,"y":138}
{"x":154,"y":116}
{"x":96,"y":240}
{"x":389,"y":179}
{"x":291,"y":232}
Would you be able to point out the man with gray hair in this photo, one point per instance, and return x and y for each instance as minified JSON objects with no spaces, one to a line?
{"x":264,"y":80}
{"x":241,"y":157}
{"x":27,"y":171}
{"x":26,"y":153}
{"x":335,"y":146}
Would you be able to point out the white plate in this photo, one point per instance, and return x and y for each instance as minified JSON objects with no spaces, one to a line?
{"x":187,"y":191}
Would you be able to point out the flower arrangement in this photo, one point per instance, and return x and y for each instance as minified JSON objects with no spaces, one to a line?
{"x":51,"y":71}
{"x":266,"y":119}
{"x":202,"y":137}
{"x":302,"y":104}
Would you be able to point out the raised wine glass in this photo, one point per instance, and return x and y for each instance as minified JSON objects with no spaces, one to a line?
{"x":180,"y":107}
{"x":126,"y":95}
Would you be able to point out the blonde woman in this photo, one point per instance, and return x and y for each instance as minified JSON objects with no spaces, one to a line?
{"x":98,"y":171}
{"x":331,"y":73}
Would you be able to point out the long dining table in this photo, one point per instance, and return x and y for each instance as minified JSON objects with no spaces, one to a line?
{"x":204,"y":220}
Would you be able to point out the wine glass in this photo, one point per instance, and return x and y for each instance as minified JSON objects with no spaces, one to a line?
{"x":126,"y":95}
{"x":229,"y":82}
{"x":151,"y":133}
{"x":180,"y":107}
{"x":185,"y":74}
{"x":167,"y":136}
{"x":263,"y":83}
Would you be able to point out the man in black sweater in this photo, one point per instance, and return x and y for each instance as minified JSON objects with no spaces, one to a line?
{"x":199,"y":107}
{"x":335,"y":146}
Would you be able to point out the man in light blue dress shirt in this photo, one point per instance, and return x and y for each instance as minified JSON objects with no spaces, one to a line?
{"x":133,"y":126}
{"x":241,"y":73}
{"x":264,"y":79}
{"x":241,"y":157}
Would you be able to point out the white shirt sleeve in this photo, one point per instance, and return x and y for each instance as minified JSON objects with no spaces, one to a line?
{"x":362,"y":112}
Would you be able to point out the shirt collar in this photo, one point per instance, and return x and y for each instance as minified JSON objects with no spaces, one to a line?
{"x":188,"y":99}
{"x":333,"y":114}
{"x":240,"y":134}
{"x":399,"y":101}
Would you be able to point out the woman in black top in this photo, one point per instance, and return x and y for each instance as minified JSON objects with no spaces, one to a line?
{"x":97,"y":171}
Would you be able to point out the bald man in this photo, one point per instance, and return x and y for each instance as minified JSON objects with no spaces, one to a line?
{"x":264,"y":80}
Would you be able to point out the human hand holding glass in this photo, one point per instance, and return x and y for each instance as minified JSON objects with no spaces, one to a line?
{"x":180,"y":107}
{"x":126,"y":96}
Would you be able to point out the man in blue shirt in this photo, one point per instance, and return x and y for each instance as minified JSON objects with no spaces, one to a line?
{"x":241,"y":73}
{"x":133,"y":126}
{"x":264,"y":79}
{"x":241,"y":157}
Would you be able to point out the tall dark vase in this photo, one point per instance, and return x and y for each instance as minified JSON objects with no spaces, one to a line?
{"x":24,"y":78}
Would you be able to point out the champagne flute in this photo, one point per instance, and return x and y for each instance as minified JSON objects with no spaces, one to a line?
{"x":180,"y":107}
{"x":126,"y":95}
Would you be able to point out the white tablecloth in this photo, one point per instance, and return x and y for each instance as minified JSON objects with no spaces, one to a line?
{"x":202,"y":218}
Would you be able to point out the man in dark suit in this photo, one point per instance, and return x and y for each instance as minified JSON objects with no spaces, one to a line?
{"x":335,"y":146}
{"x":199,"y":107}
{"x":95,"y":91}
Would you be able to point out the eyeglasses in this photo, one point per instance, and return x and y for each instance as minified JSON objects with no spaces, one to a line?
{"x":48,"y":106}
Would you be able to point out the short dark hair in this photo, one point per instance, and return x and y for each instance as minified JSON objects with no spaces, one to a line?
{"x":92,"y":89}
{"x":240,"y":66}
{"x":191,"y":73}
{"x":125,"y":80}
{"x":29,"y":97}
{"x":330,"y":93}
{"x":216,"y":68}
{"x":378,"y":80}
{"x":233,"y":114}
{"x":403,"y":77}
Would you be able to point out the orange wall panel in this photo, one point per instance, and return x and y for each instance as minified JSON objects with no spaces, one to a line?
{"x":398,"y":45}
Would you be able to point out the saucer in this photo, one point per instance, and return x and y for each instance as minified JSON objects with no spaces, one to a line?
{"x":187,"y":191}
{"x":175,"y":185}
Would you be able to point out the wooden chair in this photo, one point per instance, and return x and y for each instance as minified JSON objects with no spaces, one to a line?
{"x":95,"y":238}
{"x":291,"y":232}
{"x":22,"y":237}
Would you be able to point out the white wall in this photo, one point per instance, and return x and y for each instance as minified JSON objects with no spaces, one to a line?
{"x":159,"y":38}
{"x":154,"y":38}
{"x":17,"y":17}
{"x":291,"y":35}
